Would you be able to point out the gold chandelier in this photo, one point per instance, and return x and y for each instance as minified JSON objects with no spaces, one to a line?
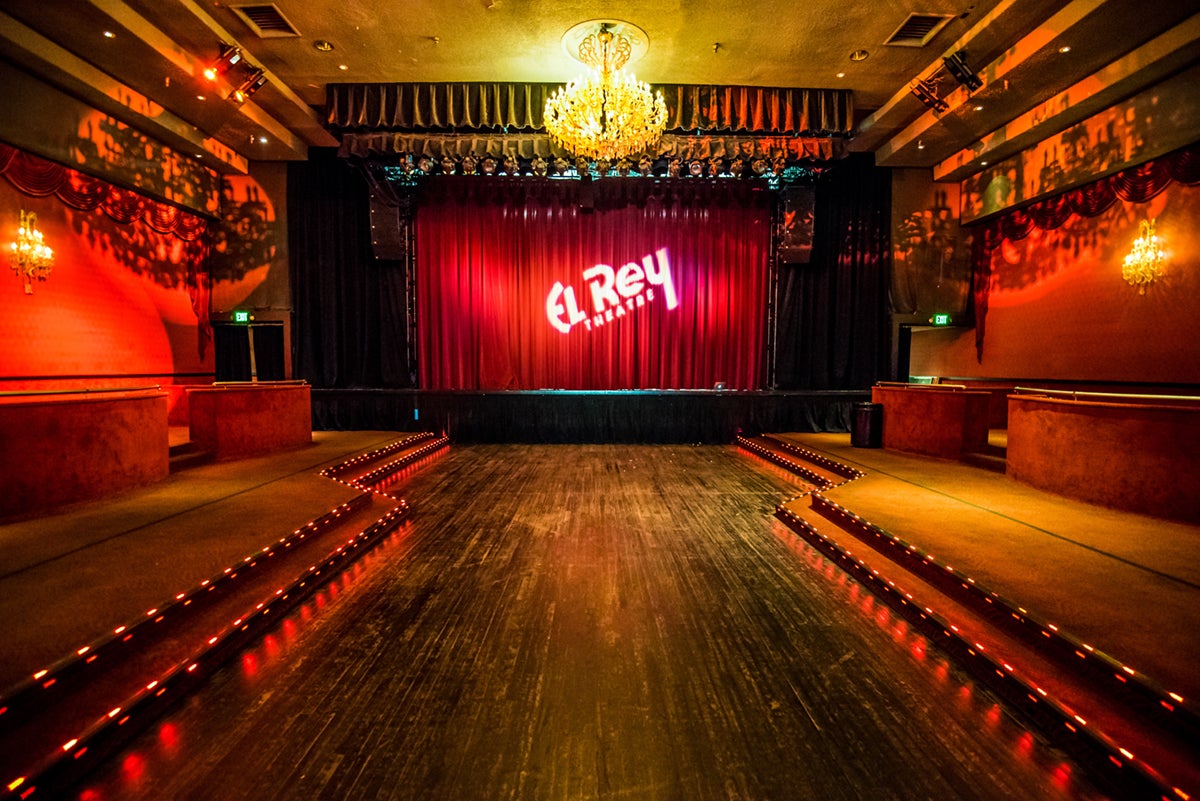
{"x":605,"y":114}
{"x":31,"y":258}
{"x":1146,"y":262}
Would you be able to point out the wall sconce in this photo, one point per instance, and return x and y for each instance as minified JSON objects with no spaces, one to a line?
{"x":1146,"y":261}
{"x":31,"y":258}
{"x":230,"y":55}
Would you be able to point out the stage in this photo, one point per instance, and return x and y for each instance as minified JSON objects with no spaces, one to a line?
{"x":550,"y":416}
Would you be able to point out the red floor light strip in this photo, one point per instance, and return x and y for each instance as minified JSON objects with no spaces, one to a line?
{"x":1177,"y":716}
{"x":1086,"y":744}
{"x":148,"y":702}
{"x":1116,"y":765}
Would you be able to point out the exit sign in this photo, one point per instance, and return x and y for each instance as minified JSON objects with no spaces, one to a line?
{"x":241,"y":316}
{"x":941,"y":319}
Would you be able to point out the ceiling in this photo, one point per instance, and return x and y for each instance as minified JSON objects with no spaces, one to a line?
{"x":156,"y":50}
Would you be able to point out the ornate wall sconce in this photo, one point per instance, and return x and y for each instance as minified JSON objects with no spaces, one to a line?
{"x":1146,"y":262}
{"x":31,"y":259}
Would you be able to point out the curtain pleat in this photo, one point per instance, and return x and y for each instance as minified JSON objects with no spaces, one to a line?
{"x":349,"y":310}
{"x":833,"y":324}
{"x":462,"y":107}
{"x":495,"y":257}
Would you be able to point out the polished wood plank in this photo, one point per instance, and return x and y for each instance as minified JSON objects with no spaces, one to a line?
{"x":590,"y":622}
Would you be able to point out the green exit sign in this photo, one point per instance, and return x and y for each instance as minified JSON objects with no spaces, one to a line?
{"x":941,"y":319}
{"x":241,"y":316}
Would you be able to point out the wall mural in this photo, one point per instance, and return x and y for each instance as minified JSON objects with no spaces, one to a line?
{"x":1143,"y":127}
{"x":249,"y":243}
{"x":931,"y":269}
{"x":110,"y":147}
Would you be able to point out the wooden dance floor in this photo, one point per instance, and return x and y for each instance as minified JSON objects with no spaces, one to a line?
{"x":589,"y":622}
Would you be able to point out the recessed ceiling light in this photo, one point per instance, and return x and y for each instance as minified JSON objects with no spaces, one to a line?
{"x":342,"y":67}
{"x":859,"y":55}
{"x":979,"y":108}
{"x":1065,"y":49}
{"x":323,"y":45}
{"x":983,"y":164}
{"x":262,"y":140}
{"x":841,"y":75}
{"x":109,"y":35}
{"x":920,"y":145}
{"x":200,"y":97}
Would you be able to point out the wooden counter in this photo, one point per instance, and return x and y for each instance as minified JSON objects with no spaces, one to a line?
{"x":235,"y":420}
{"x":1135,"y":456}
{"x":933,"y":420}
{"x":63,"y":447}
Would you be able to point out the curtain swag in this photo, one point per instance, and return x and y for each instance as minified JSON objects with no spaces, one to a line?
{"x":479,"y":107}
{"x":39,"y":177}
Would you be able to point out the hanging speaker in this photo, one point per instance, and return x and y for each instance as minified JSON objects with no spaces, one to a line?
{"x":387,"y":233}
{"x":796,"y":227}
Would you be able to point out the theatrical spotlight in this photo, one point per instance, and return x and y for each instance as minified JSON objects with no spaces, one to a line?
{"x":255,"y":79}
{"x":926,"y":92}
{"x":230,"y":55}
{"x":962,"y":72}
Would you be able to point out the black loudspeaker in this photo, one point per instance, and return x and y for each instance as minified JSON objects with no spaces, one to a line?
{"x":796,"y":228}
{"x":387,"y":234}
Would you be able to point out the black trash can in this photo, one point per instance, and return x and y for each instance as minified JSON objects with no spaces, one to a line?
{"x":866,"y":429}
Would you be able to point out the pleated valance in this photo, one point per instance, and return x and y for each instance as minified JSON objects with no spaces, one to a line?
{"x":517,"y":107}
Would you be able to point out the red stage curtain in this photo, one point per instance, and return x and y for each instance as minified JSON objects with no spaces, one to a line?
{"x":491,"y":252}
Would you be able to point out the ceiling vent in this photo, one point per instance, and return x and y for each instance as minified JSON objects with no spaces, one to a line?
{"x":266,"y":20}
{"x":918,"y":29}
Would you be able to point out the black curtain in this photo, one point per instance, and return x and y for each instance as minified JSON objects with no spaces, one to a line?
{"x":232,"y":353}
{"x":350,"y":327}
{"x":833,"y":325}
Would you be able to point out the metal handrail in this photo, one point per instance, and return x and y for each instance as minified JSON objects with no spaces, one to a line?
{"x":908,"y":385}
{"x":19,"y":393}
{"x":1075,"y":394}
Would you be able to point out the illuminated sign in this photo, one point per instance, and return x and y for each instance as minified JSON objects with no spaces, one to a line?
{"x":613,"y":293}
{"x":940,"y":319}
{"x":241,"y":316}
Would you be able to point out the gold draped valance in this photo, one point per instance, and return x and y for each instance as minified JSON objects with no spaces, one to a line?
{"x":517,"y":107}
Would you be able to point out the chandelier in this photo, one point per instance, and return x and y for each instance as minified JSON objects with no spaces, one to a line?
{"x":605,"y":114}
{"x":1146,"y":262}
{"x":31,"y":259}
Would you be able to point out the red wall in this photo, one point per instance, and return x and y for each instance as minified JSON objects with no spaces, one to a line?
{"x":115,"y":310}
{"x":1059,"y":309}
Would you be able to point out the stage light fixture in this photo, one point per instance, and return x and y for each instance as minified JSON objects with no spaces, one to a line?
{"x":961,"y":70}
{"x":255,"y":79}
{"x":230,"y":55}
{"x":927,"y":92}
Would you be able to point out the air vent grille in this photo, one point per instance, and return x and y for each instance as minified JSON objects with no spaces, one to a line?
{"x":267,"y":21}
{"x":918,"y":29}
